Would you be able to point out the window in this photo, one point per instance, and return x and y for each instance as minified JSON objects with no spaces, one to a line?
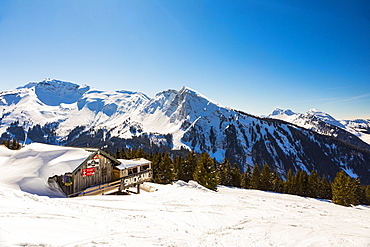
{"x":144,"y":167}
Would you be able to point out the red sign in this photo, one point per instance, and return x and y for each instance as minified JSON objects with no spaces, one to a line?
{"x":88,"y":172}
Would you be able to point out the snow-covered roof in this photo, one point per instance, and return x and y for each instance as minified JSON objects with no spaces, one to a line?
{"x":29,"y":168}
{"x":131,"y":163}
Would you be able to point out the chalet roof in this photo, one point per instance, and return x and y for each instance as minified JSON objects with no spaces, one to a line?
{"x":94,"y":151}
{"x":29,"y":168}
{"x":131,"y":163}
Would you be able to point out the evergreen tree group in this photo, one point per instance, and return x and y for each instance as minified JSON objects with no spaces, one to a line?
{"x":12,"y":144}
{"x":167,"y":168}
{"x":348,"y":191}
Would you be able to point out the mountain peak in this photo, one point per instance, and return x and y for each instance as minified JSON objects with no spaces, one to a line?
{"x":54,"y":92}
{"x":314,"y":111}
{"x":320,"y":114}
{"x":191,"y":92}
{"x":47,"y":82}
{"x":58,"y":112}
{"x":188,"y":90}
{"x":278,"y":111}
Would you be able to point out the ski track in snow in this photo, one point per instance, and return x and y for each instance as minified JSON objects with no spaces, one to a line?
{"x":182,"y":214}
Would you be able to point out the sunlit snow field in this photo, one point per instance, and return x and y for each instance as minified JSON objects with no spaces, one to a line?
{"x":182,"y":214}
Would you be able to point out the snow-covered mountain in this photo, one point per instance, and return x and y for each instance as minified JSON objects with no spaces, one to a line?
{"x":49,"y":110}
{"x":64,"y":113}
{"x":325,"y":124}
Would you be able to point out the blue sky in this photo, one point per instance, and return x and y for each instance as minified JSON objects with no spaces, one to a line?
{"x":251,"y":55}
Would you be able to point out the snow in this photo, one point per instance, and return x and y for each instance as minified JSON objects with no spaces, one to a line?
{"x":325,"y":117}
{"x":5,"y":153}
{"x":29,"y":168}
{"x":350,"y":173}
{"x":130,"y":163}
{"x":71,"y":105}
{"x":356,"y":127}
{"x":182,"y":214}
{"x":90,"y":109}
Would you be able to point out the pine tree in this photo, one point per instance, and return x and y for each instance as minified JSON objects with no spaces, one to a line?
{"x":367,"y":194}
{"x":189,"y":166}
{"x":355,"y":191}
{"x":117,"y":154}
{"x":6,"y":143}
{"x":167,"y":170}
{"x":246,"y":178}
{"x":313,"y":184}
{"x":205,"y":173}
{"x":123,"y":154}
{"x":156,"y":159}
{"x":301,"y":183}
{"x":225,"y":173}
{"x":362,"y":195}
{"x":140,"y":153}
{"x":178,"y":162}
{"x":325,"y":189}
{"x":289,"y":185}
{"x":130,"y":154}
{"x":265,"y":178}
{"x":277,"y":183}
{"x":12,"y":144}
{"x":236,"y":176}
{"x":16,"y":145}
{"x":255,"y":179}
{"x":344,"y":191}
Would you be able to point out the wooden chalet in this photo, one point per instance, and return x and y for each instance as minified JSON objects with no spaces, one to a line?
{"x":100,"y":173}
{"x":132,"y":172}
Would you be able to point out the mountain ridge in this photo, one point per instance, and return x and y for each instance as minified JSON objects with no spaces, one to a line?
{"x":177,"y":120}
{"x":313,"y":118}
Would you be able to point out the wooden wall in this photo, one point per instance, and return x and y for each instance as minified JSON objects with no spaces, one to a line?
{"x":103,"y":174}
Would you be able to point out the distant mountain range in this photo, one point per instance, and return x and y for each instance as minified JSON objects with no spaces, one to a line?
{"x":64,"y":113}
{"x":323,"y":123}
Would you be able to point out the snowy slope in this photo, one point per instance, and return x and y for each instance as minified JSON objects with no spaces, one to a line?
{"x":176,"y":120}
{"x":182,"y":214}
{"x":313,"y":120}
{"x":361,"y":126}
{"x":5,"y":153}
{"x":61,"y":107}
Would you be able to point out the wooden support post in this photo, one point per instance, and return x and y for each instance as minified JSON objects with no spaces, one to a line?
{"x":138,"y":189}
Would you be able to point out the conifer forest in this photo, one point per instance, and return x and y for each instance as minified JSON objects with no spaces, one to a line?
{"x":167,"y":168}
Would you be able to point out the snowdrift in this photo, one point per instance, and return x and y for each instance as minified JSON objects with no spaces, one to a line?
{"x":29,"y":168}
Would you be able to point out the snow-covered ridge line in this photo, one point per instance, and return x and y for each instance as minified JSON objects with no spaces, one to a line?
{"x":68,"y":105}
{"x":173,"y":120}
{"x":312,"y":118}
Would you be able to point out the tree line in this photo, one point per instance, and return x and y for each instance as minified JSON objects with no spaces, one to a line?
{"x":343,"y":190}
{"x":11,"y":144}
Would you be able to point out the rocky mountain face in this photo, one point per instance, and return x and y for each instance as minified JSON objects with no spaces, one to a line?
{"x":355,"y":132}
{"x":64,"y":113}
